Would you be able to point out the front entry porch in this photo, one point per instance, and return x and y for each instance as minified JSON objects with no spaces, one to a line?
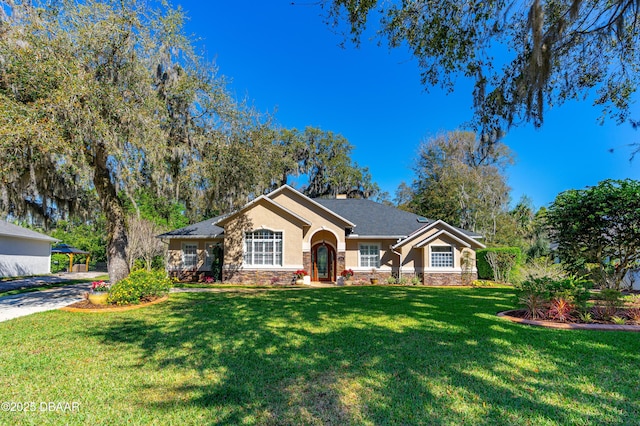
{"x":323,"y":263}
{"x":325,"y":258}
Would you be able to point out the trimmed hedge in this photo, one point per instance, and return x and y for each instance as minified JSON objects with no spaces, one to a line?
{"x":484,"y":269}
{"x":139,"y":285}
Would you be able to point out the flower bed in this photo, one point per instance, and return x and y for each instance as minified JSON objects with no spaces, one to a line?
{"x":571,"y":301}
{"x":86,"y":306}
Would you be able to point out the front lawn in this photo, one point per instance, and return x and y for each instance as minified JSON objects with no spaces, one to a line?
{"x":365,"y":355}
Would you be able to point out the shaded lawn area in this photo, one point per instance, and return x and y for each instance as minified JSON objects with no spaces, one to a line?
{"x":365,"y":355}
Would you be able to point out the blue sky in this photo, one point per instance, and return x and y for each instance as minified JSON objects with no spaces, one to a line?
{"x":289,"y":62}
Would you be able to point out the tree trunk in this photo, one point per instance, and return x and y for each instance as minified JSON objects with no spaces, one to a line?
{"x":117,"y":264}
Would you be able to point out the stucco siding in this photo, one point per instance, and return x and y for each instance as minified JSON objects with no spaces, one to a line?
{"x":262,"y":216}
{"x":315,"y":214}
{"x":20,"y":257}
{"x":388,"y":260}
{"x":411,"y":258}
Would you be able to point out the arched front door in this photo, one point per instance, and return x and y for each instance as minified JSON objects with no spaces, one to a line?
{"x":323,"y":260}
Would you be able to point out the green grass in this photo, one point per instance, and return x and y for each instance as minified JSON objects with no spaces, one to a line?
{"x":365,"y":355}
{"x":52,"y":285}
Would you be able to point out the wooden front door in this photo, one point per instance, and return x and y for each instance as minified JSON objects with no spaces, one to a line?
{"x":323,"y":259}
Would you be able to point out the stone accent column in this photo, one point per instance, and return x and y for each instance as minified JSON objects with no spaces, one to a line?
{"x":306,"y":262}
{"x":340,"y":262}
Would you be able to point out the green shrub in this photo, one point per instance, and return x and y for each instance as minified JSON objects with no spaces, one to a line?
{"x":610,"y":302}
{"x":618,"y":320}
{"x":537,"y":295}
{"x":585,"y":317}
{"x":485,"y":271}
{"x":139,"y":285}
{"x":540,"y":267}
{"x":576,"y":290}
{"x":611,"y":297}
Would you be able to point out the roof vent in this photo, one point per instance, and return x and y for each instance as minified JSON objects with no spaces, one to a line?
{"x":422,"y":219}
{"x":341,"y":196}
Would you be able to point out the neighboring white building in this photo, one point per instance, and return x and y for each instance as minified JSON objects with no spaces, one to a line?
{"x":23,"y":252}
{"x":632,"y":279}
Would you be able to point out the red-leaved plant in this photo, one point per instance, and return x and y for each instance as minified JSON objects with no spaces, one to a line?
{"x":300,"y":273}
{"x":347,"y":273}
{"x":535,"y":305}
{"x":99,"y":286}
{"x":634,"y":314}
{"x":560,"y":310}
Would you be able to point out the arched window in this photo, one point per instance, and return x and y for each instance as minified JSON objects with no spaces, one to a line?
{"x":263,"y":248}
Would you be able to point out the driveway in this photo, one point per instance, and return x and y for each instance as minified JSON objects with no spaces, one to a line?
{"x":20,"y":305}
{"x":46,"y":279}
{"x":23,"y":304}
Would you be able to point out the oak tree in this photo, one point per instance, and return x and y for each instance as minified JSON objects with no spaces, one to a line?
{"x":100,"y":98}
{"x":522,"y":56}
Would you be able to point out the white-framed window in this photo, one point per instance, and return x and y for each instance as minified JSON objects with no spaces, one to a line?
{"x":369,"y":255}
{"x":263,"y":248}
{"x":441,"y":257}
{"x":189,"y":255}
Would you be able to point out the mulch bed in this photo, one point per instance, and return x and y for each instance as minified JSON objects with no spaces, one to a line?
{"x":85,"y":305}
{"x":518,"y":316}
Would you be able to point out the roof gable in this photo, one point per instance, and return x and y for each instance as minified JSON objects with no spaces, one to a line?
{"x":296,"y":218}
{"x":444,"y":229}
{"x":297,"y":194}
{"x":442,"y":233}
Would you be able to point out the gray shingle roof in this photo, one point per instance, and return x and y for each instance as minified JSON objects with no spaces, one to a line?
{"x":371,"y":219}
{"x":375,"y":219}
{"x":11,"y":230}
{"x":204,"y":229}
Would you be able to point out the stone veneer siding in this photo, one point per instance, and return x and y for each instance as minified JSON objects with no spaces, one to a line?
{"x":366,"y":276}
{"x":259,"y":277}
{"x":306,"y":261}
{"x":287,"y":277}
{"x":449,"y":279}
{"x":190,"y":276}
{"x":340,"y":263}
